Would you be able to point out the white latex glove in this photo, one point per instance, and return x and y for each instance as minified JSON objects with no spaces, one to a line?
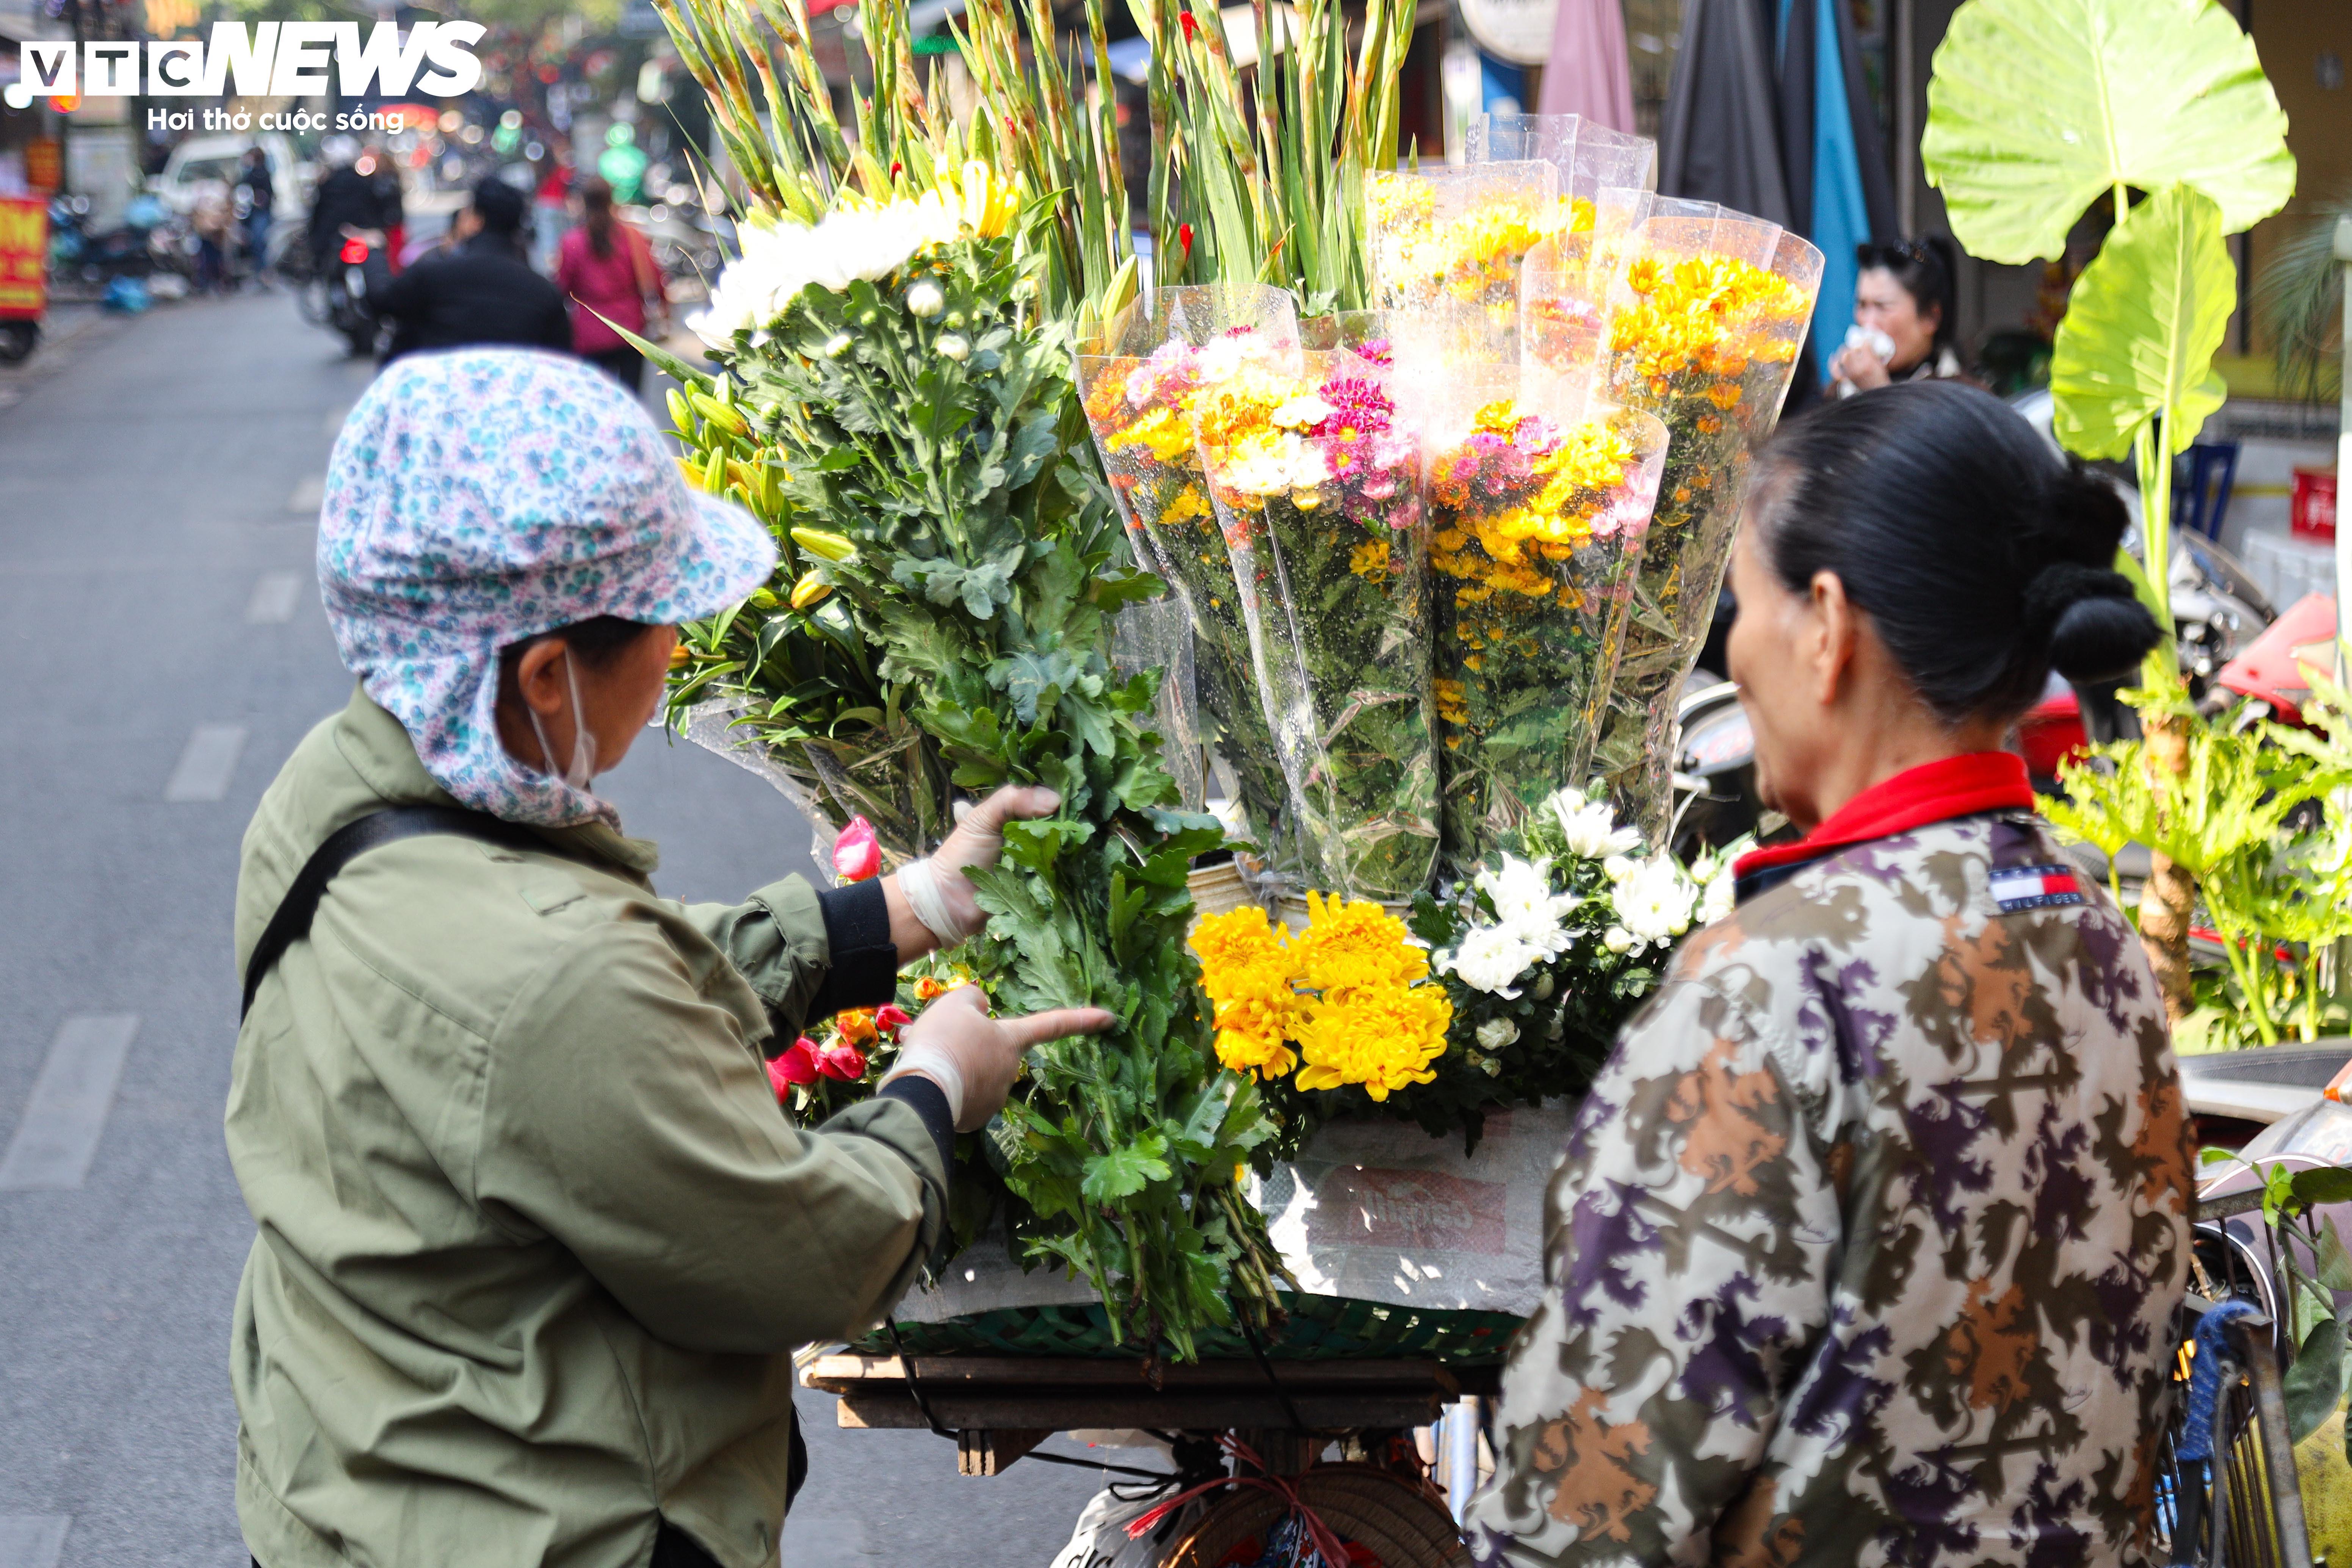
{"x":972,"y":1057}
{"x":936,"y":888}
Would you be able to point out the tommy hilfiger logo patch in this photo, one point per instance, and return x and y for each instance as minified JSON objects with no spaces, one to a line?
{"x":2016,"y":888}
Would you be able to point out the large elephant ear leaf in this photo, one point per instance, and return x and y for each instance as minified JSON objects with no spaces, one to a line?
{"x":2142,"y":327}
{"x":2036,"y":106}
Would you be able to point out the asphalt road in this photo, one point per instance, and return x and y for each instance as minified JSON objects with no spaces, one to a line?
{"x":161,"y":650}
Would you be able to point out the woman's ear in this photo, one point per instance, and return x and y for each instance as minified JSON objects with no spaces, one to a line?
{"x":1833,"y":636}
{"x":539,"y":677}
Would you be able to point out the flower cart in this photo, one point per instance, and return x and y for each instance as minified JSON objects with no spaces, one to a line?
{"x":1402,"y":467}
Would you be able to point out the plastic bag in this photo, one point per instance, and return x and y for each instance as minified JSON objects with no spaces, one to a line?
{"x":1138,"y":396}
{"x":1590,"y":156}
{"x":1707,"y":311}
{"x":1315,"y":477}
{"x":1447,"y":245}
{"x":1100,"y":1539}
{"x":1538,"y":504}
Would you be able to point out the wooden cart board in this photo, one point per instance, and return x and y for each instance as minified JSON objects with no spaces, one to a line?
{"x":1001,"y":1406}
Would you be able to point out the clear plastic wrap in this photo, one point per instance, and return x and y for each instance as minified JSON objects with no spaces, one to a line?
{"x":1316,"y":480}
{"x":1138,"y":395}
{"x":1591,"y":157}
{"x":1157,"y":636}
{"x":1707,"y":311}
{"x":1446,"y":246}
{"x":1538,"y":502}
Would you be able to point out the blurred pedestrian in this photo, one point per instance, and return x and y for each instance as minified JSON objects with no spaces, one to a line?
{"x":483,"y":291}
{"x":552,"y":211}
{"x":211,"y":220}
{"x":534,"y":1240}
{"x":260,"y":195}
{"x":607,"y":268}
{"x":1905,"y":317}
{"x":384,"y":173}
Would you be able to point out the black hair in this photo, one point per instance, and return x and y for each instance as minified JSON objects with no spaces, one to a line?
{"x":1981,"y":555}
{"x":597,"y":640}
{"x":499,"y":206}
{"x":1925,"y":270}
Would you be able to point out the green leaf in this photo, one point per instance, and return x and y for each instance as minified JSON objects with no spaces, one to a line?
{"x":2142,"y":327}
{"x":1122,"y":1173}
{"x":2327,"y":1185}
{"x":2334,"y":1262}
{"x":2313,"y":1385}
{"x":2039,"y":107}
{"x":1117,"y":586}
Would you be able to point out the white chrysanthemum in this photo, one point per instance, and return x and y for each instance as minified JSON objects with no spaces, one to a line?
{"x":1488,"y":960}
{"x":777,"y":263}
{"x":1591,"y":832}
{"x":1496,"y":1033}
{"x":1716,"y":902}
{"x":1655,"y":898}
{"x":1273,"y":466}
{"x":1525,"y":905}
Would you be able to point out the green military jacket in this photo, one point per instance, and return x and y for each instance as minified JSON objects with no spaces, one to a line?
{"x":534,"y":1239}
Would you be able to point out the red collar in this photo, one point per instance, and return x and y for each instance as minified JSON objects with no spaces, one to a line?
{"x":1932,"y":792}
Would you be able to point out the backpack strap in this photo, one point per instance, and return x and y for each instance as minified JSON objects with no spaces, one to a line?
{"x":292,"y":919}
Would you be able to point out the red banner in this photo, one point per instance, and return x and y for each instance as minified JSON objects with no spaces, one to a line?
{"x":23,"y":258}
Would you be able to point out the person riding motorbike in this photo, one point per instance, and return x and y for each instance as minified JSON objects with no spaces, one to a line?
{"x":346,"y":198}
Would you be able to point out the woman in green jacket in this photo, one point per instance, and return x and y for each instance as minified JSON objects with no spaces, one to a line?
{"x":535,"y":1240}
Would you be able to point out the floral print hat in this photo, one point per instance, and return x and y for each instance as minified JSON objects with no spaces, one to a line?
{"x":483,"y":496}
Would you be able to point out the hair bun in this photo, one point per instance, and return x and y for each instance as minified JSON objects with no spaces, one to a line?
{"x":2097,"y":628}
{"x":2087,"y":518}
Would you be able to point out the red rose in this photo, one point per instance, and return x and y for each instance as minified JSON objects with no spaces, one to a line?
{"x":890,"y":1019}
{"x":857,"y":853}
{"x":845,"y":1062}
{"x":798,"y":1065}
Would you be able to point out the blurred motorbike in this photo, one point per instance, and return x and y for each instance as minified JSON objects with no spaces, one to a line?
{"x":343,"y":295}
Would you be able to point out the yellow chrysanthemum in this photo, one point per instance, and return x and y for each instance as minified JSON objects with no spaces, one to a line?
{"x":1184,"y":506}
{"x":1250,"y":975}
{"x":1382,"y":1038}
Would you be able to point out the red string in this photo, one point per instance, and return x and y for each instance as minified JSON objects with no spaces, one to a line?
{"x":1327,"y":1543}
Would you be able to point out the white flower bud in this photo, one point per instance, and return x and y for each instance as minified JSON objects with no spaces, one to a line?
{"x":1617,"y":938}
{"x":836,"y":345}
{"x":953,"y":346}
{"x":1496,"y":1033}
{"x":925,"y":299}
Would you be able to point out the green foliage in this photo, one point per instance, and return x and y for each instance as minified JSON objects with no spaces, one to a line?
{"x":2299,"y":300}
{"x":2142,"y":327}
{"x":2037,"y":107}
{"x":2240,"y":818}
{"x":1267,"y":177}
{"x":2317,"y":1267}
{"x":983,"y":570}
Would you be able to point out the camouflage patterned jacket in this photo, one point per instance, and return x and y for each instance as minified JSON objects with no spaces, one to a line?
{"x":1868,"y":1240}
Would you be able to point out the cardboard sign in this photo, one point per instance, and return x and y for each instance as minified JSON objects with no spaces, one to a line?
{"x":23,"y":258}
{"x":44,"y":164}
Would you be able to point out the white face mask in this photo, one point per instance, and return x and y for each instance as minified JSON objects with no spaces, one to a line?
{"x":583,"y":769}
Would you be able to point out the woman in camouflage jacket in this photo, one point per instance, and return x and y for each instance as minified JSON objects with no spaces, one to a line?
{"x":1868,"y":1240}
